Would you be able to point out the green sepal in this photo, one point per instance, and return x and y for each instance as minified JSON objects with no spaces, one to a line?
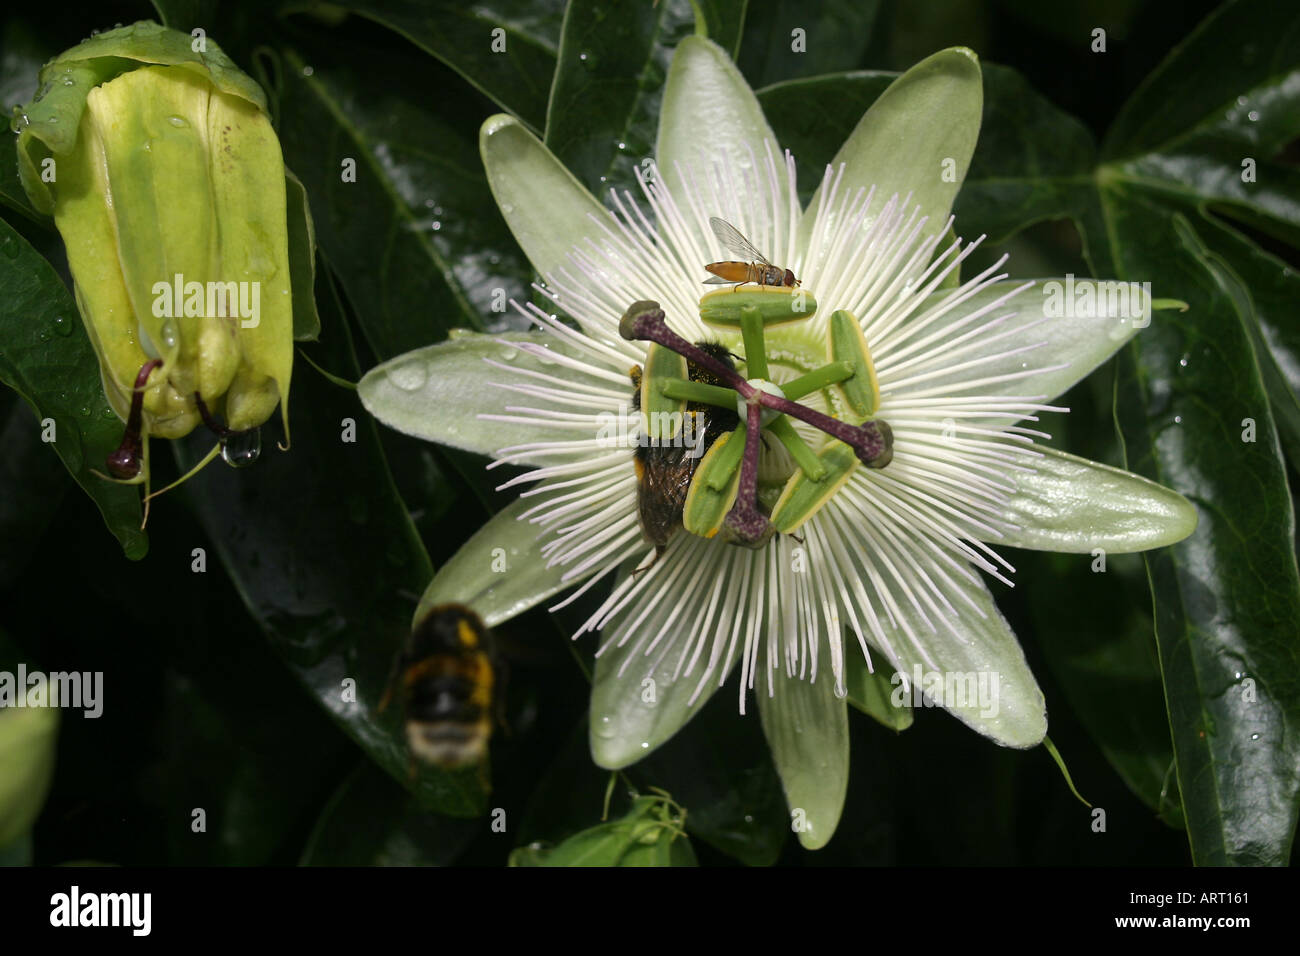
{"x":714,"y":486}
{"x":662,"y":364}
{"x":722,"y":308}
{"x":803,"y":497}
{"x":302,"y":259}
{"x":846,"y":343}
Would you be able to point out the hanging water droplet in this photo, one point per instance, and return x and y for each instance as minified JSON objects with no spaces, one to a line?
{"x":242,"y":448}
{"x":62,"y":325}
{"x":408,"y":377}
{"x":1253,"y":115}
{"x":169,"y":334}
{"x":178,"y":121}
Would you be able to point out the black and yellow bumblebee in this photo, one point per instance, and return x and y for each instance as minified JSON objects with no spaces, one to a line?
{"x":664,"y":471}
{"x":445,"y":677}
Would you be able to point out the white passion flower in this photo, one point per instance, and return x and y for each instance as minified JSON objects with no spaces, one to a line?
{"x":885,"y":554}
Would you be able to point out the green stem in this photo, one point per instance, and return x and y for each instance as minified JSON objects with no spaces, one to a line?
{"x":817,"y":379}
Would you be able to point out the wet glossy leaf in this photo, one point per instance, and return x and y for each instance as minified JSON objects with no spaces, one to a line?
{"x":413,"y":235}
{"x":614,"y":57}
{"x":513,"y":66}
{"x":371,"y":820}
{"x":46,"y":357}
{"x":786,"y":40}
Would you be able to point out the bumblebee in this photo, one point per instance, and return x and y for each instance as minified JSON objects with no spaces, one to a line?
{"x":445,"y":677}
{"x":664,"y":471}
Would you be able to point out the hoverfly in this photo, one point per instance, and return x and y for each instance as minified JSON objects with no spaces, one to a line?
{"x":445,"y":678}
{"x":664,"y":471}
{"x":753,"y":265}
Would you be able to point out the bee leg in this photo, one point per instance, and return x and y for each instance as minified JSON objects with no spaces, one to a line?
{"x":659,"y":550}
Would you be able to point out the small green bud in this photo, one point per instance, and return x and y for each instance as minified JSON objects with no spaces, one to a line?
{"x":166,"y":182}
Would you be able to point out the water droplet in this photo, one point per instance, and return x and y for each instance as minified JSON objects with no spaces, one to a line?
{"x":428,"y":204}
{"x":69,"y":81}
{"x":1253,"y":115}
{"x":588,"y":60}
{"x":10,"y":246}
{"x":436,"y":225}
{"x":107,"y":414}
{"x":645,"y":745}
{"x":84,"y":410}
{"x":242,"y":448}
{"x":1183,"y":361}
{"x":45,"y":336}
{"x":1254,"y":736}
{"x":622,"y":145}
{"x":169,"y":334}
{"x":1178,"y":419}
{"x":52,"y":119}
{"x":507,"y":208}
{"x":1241,"y":101}
{"x":408,"y":377}
{"x":308,"y":70}
{"x":178,"y":121}
{"x":62,"y":325}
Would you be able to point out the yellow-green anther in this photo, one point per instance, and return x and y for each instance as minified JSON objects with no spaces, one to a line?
{"x":751,"y":332}
{"x":165,"y":179}
{"x":798,"y":448}
{"x":776,"y":306}
{"x":846,"y":343}
{"x":803,"y":496}
{"x":726,"y":461}
{"x":663,"y":415}
{"x":713,"y":489}
{"x":816,"y":380}
{"x":699,"y":392}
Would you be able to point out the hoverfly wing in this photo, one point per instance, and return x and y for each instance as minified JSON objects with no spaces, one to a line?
{"x":735,"y":243}
{"x":718,"y":280}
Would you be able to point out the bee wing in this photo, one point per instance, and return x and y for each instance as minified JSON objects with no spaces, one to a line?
{"x":735,"y":243}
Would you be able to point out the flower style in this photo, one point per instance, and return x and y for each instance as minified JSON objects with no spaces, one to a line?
{"x":888,"y":557}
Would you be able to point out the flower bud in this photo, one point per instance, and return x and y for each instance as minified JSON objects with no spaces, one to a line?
{"x":156,"y":156}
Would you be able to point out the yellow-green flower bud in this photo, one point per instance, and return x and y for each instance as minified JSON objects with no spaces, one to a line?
{"x":157,"y":159}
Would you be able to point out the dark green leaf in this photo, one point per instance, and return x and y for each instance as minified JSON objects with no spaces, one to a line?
{"x":415,"y":239}
{"x":834,"y":37}
{"x":1228,"y":598}
{"x":372,"y":821}
{"x":518,"y":77}
{"x":614,"y":58}
{"x":46,"y":357}
{"x":1100,"y":646}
